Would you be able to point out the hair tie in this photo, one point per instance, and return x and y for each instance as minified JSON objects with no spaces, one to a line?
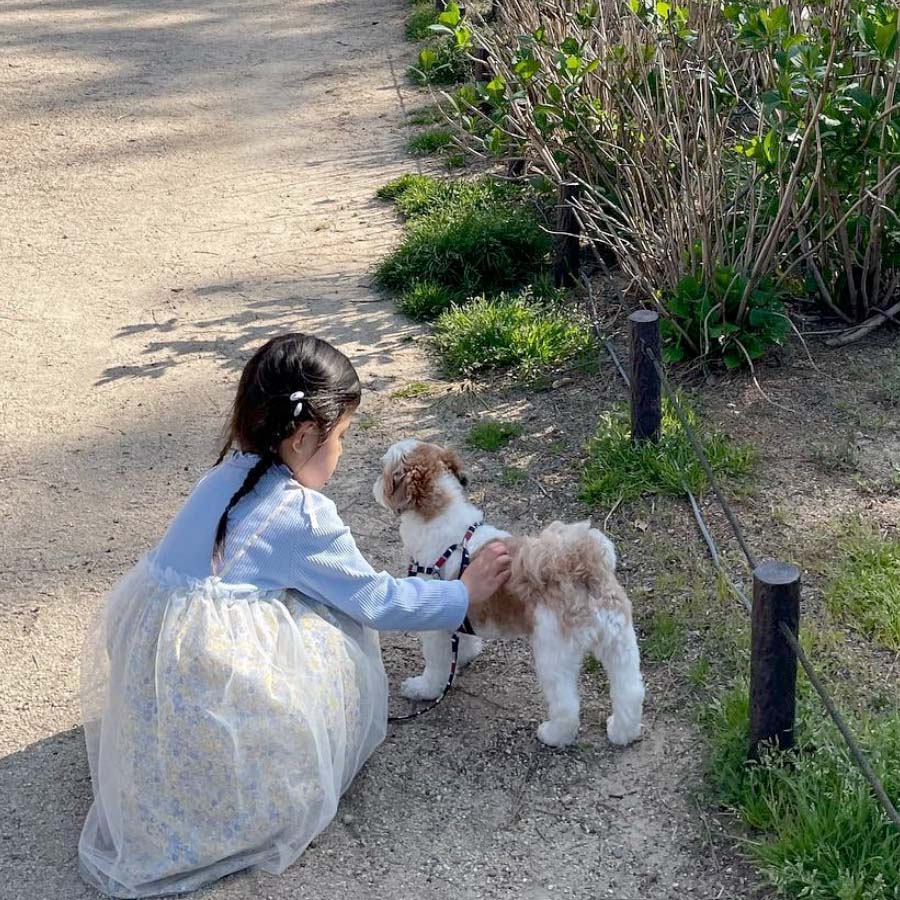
{"x":297,"y":396}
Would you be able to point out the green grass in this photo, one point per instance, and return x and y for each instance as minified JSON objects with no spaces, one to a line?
{"x":492,"y":436}
{"x":820,"y":833}
{"x":419,"y":195}
{"x":864,"y":587}
{"x":663,"y":637}
{"x":455,"y":160}
{"x":426,"y":300}
{"x":427,"y":115}
{"x":469,"y":251}
{"x":411,"y":391}
{"x":617,"y":470}
{"x":513,"y":475}
{"x":419,"y":22}
{"x":509,"y":332}
{"x":430,"y":142}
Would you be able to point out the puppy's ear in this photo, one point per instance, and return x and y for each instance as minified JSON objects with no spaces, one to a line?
{"x":454,"y":464}
{"x":395,"y":488}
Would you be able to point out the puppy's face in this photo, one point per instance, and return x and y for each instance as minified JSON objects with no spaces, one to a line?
{"x":414,"y":478}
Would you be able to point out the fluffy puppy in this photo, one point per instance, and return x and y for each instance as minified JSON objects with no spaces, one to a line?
{"x":563,"y":594}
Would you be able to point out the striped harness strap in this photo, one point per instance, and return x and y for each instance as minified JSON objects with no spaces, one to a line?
{"x":416,"y":569}
{"x":465,"y":628}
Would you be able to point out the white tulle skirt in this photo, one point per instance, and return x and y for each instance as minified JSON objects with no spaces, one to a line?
{"x":222,"y":726}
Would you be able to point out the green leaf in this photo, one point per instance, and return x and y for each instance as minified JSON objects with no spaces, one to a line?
{"x":673,"y":353}
{"x":427,"y":59}
{"x":570,"y":47}
{"x":886,"y":38}
{"x":526,"y":69}
{"x":733,"y":358}
{"x":451,"y":16}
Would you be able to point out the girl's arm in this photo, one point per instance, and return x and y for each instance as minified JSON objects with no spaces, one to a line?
{"x":317,"y":556}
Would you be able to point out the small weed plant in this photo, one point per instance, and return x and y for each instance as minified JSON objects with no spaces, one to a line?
{"x":822,"y":834}
{"x":618,"y":470}
{"x":419,"y":22}
{"x":511,"y":331}
{"x":430,"y":142}
{"x":492,"y":436}
{"x":865,"y":584}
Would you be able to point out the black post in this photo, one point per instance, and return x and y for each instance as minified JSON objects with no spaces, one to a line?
{"x":483,"y":75}
{"x":441,"y":5}
{"x":646,"y":392}
{"x":567,"y":255}
{"x":773,"y":664}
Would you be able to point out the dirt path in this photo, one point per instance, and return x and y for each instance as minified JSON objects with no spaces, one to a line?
{"x":180,"y":181}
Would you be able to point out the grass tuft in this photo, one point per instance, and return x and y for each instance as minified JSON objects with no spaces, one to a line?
{"x":824,"y":836}
{"x":426,"y":300}
{"x":412,"y":390}
{"x":419,"y":22}
{"x":430,"y":142}
{"x":469,"y":251}
{"x":865,"y":584}
{"x":492,"y":436}
{"x":663,"y":637}
{"x":617,"y":470}
{"x":511,"y":331}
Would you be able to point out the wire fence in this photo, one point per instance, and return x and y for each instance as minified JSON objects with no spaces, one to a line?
{"x":853,"y":745}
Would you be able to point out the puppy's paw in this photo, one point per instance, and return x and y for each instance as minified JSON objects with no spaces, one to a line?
{"x":558,"y":732}
{"x":421,"y":688}
{"x":621,"y":734}
{"x":469,"y":649}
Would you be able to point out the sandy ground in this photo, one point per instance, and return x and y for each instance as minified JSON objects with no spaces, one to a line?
{"x":180,"y":181}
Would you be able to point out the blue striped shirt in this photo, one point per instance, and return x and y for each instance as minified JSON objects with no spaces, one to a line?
{"x":285,"y":536}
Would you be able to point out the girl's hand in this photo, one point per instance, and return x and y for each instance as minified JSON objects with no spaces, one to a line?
{"x":488,"y":572}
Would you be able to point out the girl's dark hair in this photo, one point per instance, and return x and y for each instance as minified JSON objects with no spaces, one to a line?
{"x":263,"y":412}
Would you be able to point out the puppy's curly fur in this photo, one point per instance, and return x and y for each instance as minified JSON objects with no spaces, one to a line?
{"x":563,"y":593}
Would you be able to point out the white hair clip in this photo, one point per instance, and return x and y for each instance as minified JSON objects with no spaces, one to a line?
{"x":295,"y":397}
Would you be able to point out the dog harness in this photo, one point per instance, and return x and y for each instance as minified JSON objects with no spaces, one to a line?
{"x":466,"y":628}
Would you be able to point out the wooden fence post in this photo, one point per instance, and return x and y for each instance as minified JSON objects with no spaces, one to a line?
{"x":646,"y":391}
{"x":773,"y":664}
{"x":483,"y":76}
{"x":567,"y":254}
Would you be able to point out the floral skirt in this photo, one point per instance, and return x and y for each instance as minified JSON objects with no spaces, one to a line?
{"x":222,"y":726}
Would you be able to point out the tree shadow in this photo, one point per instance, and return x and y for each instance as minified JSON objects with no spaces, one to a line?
{"x":337,"y":307}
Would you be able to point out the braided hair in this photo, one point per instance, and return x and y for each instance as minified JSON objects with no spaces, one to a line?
{"x":263,"y":414}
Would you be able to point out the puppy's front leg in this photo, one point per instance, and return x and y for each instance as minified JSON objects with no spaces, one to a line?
{"x":436,"y":649}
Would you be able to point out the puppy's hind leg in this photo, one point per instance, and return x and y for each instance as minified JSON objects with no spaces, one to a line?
{"x":437,"y":652}
{"x":616,"y":648}
{"x":557,"y":661}
{"x":470,"y":647}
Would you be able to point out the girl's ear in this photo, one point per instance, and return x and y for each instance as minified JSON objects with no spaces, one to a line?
{"x":305,"y":440}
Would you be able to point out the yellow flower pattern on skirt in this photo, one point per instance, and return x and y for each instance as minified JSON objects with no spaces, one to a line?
{"x":223,"y":725}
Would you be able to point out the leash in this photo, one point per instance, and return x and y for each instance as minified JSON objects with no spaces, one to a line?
{"x":466,"y":627}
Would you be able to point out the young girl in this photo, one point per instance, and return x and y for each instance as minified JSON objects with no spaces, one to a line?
{"x":235,"y":687}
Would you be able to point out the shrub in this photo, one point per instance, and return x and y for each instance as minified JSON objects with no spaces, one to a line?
{"x":744,"y":137}
{"x":442,"y":62}
{"x":468,"y":249}
{"x":824,"y":836}
{"x":616,"y":469}
{"x":865,"y":584}
{"x":512,"y":331}
{"x":429,"y":142}
{"x":702,"y":317}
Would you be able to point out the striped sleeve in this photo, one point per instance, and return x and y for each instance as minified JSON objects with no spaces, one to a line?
{"x":323,"y":562}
